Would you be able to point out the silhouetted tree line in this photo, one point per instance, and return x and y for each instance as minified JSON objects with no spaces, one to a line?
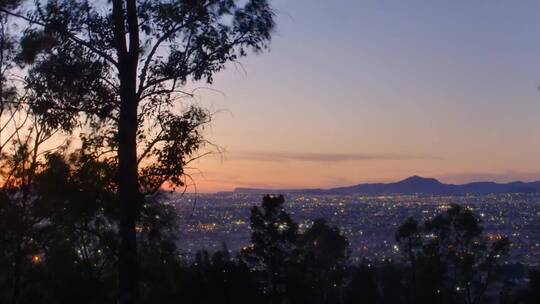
{"x":60,"y":245}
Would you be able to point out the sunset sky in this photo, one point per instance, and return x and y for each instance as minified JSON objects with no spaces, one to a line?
{"x":366,"y":91}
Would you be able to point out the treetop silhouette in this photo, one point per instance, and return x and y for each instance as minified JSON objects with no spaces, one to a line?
{"x":115,"y":69}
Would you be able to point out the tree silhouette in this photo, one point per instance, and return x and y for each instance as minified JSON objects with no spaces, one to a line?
{"x":61,"y":244}
{"x":409,"y":236}
{"x":531,"y":293}
{"x":294,"y":266}
{"x":116,"y":68}
{"x":452,"y":260}
{"x":224,"y":279}
{"x":364,"y":284}
{"x":273,"y":240}
{"x":317,"y":272}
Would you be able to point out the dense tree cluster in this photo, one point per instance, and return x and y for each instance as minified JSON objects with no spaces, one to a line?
{"x":60,"y":245}
{"x":59,"y":238}
{"x":115,"y":74}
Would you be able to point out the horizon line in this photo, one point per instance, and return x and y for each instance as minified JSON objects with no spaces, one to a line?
{"x":386,"y":181}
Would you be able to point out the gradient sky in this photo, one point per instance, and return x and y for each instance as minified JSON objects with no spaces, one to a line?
{"x":355,"y":91}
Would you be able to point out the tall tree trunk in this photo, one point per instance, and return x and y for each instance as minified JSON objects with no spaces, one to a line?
{"x":129,"y":203}
{"x":128,"y":186}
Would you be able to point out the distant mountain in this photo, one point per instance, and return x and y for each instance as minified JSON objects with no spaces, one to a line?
{"x":414,"y":185}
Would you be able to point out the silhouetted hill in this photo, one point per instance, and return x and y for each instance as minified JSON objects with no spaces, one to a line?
{"x":414,"y":185}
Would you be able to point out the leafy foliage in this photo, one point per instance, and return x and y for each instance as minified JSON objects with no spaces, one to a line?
{"x":450,"y":258}
{"x":74,"y":70}
{"x":115,"y":71}
{"x":60,"y":240}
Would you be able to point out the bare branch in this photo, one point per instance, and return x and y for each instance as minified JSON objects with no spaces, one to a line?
{"x":150,"y":57}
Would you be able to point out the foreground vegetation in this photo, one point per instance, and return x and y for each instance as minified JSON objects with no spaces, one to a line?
{"x":116,"y":76}
{"x":60,"y":245}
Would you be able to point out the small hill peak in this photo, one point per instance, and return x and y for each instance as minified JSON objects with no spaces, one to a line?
{"x":415,"y":179}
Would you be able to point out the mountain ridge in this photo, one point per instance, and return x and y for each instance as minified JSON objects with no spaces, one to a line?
{"x":414,"y":185}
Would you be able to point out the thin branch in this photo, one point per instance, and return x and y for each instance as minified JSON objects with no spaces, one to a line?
{"x":199,"y":157}
{"x":150,"y":146}
{"x":150,"y":57}
{"x":166,"y":91}
{"x":158,"y":81}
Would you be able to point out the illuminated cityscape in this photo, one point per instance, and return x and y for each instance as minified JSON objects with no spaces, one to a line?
{"x":210,"y":221}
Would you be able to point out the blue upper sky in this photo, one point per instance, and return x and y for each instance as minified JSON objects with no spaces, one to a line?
{"x":357,"y":91}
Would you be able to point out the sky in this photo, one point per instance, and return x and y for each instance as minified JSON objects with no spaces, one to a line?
{"x":375,"y":91}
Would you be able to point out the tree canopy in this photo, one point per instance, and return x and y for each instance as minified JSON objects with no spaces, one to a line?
{"x":114,"y":72}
